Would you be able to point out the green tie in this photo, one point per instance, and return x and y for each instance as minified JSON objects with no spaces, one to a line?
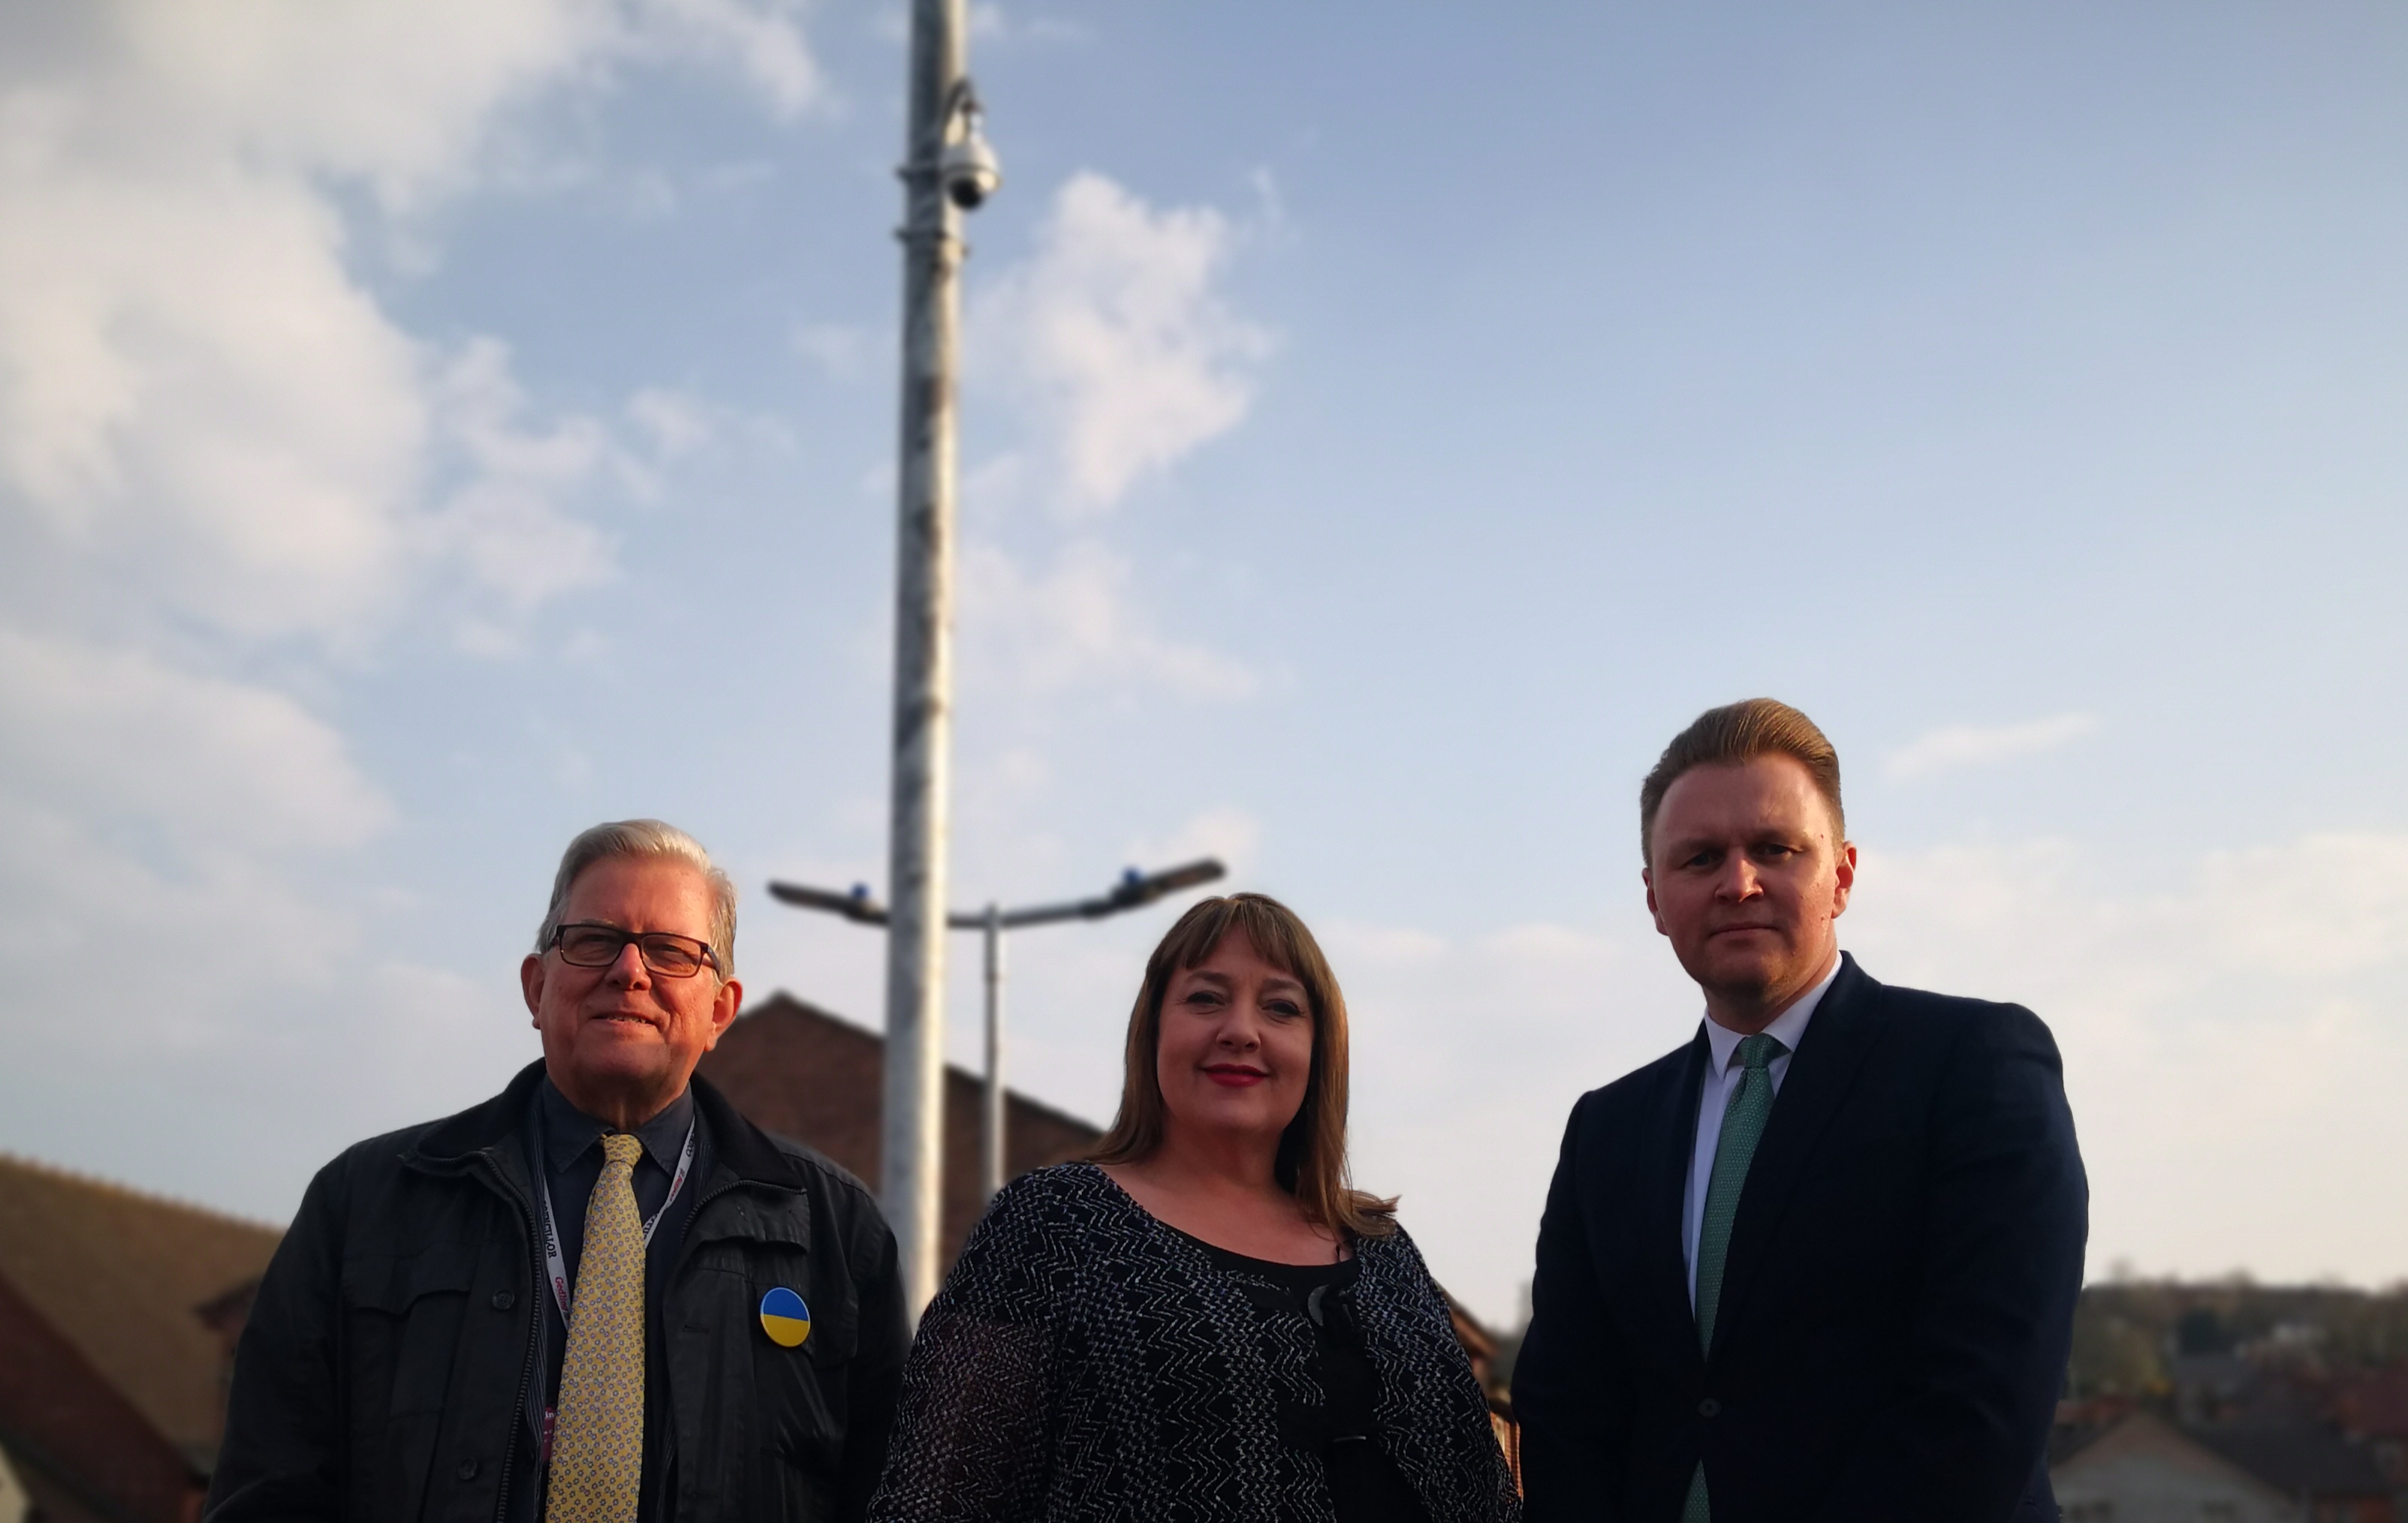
{"x":598,"y":1451}
{"x":1744,"y":1117}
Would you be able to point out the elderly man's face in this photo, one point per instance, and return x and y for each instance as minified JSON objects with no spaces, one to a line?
{"x":621,"y":1042}
{"x":1748,"y":877}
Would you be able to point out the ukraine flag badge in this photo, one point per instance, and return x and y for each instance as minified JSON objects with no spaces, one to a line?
{"x":785,"y":1318}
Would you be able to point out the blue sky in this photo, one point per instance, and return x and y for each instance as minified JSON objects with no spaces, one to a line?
{"x":427,"y":429}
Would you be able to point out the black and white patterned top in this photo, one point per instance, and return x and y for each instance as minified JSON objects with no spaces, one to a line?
{"x":1087,"y":1363}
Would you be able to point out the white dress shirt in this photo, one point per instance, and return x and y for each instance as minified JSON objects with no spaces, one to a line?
{"x":1722,"y":1078}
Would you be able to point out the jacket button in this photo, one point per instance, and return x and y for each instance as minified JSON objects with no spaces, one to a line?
{"x":504,"y":1301}
{"x":1709,"y":1407}
{"x":467,"y":1470}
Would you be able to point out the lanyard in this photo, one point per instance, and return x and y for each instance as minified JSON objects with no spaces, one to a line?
{"x":557,"y":1267}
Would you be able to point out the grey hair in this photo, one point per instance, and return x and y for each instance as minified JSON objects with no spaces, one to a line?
{"x":646,"y":838}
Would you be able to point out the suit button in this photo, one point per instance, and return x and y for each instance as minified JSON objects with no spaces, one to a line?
{"x":467,"y":1470}
{"x":1709,"y":1407}
{"x":504,"y":1301}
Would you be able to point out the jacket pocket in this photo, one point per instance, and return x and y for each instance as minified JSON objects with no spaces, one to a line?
{"x":402,"y":1323}
{"x":784,"y":1409}
{"x":402,"y":1313}
{"x":804,"y":1388}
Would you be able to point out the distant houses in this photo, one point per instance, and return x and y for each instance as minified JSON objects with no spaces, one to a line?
{"x":111,"y":1384}
{"x":2235,"y":1403}
{"x":2141,"y":1469}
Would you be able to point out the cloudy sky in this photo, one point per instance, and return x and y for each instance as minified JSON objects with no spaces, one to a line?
{"x":427,"y":429}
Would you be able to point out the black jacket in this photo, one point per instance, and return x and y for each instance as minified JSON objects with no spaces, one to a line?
{"x":385,"y":1370}
{"x":1897,"y":1301}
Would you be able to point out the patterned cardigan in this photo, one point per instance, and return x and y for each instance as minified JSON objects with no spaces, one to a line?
{"x":1087,"y":1363}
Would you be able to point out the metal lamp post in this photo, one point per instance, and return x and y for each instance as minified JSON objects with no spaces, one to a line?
{"x":1133,"y":891}
{"x":948,"y":169}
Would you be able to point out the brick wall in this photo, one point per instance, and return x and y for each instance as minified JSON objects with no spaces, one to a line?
{"x":797,"y":1071}
{"x":68,"y":1430}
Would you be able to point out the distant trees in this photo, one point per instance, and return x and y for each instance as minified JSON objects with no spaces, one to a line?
{"x":2127,"y":1334}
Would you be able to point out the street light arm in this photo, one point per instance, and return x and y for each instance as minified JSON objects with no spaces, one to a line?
{"x":858,"y":907}
{"x":1012,"y":919}
{"x":1133,"y":891}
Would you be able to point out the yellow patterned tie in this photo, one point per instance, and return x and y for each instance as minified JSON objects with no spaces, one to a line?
{"x":598,"y":1449}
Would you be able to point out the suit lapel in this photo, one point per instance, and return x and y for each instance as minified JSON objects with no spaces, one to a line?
{"x":1838,"y":1037}
{"x":1664,"y":1257}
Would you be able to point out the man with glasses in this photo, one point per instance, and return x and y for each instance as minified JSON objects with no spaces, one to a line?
{"x":602,"y":1296}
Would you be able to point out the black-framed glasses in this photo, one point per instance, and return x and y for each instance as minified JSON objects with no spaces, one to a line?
{"x":666,"y":954}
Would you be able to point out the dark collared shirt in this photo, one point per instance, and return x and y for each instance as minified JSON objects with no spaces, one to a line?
{"x":571,"y":1142}
{"x":566,"y":1148}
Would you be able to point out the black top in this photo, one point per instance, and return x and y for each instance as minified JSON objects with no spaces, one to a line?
{"x":567,"y":1144}
{"x":1364,"y":1485}
{"x":1085,"y":1363}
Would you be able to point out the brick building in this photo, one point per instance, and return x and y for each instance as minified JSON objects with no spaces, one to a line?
{"x":111,"y":1385}
{"x":802,"y":1072}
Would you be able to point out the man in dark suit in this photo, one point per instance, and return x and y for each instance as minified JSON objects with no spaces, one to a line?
{"x":1820,"y":1262}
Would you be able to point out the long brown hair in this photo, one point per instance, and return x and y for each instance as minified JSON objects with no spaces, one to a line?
{"x":1312,"y":1159}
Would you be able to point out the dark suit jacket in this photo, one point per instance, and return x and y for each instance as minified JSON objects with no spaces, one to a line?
{"x":1897,"y":1301}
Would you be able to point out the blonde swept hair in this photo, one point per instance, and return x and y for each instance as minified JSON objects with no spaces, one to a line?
{"x":1734,"y":735}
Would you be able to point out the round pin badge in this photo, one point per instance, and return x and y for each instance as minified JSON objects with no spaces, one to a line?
{"x":785,"y":1318}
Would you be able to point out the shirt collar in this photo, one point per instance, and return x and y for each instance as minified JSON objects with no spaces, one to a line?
{"x":569,"y":1131}
{"x":1788,"y":1028}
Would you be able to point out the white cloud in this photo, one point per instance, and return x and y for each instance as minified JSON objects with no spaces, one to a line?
{"x":1074,"y":622}
{"x":2229,"y":1036}
{"x":403,"y":98}
{"x":677,"y":424}
{"x":762,"y":42}
{"x":1112,"y":342}
{"x":990,"y":24}
{"x":840,"y":349}
{"x":133,"y":954}
{"x":190,"y":382}
{"x":503,"y":522}
{"x":1469,"y":1050}
{"x":223,"y":456}
{"x":398,"y":96}
{"x":163,"y":826}
{"x":2328,"y":905}
{"x":1973,"y":745}
{"x":1113,"y":336}
{"x":118,"y":736}
{"x":196,"y":394}
{"x":1227,"y":832}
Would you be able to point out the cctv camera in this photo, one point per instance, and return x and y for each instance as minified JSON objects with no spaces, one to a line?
{"x":970,"y":171}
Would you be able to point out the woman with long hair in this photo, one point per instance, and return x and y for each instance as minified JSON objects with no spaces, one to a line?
{"x":1205,"y":1321}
